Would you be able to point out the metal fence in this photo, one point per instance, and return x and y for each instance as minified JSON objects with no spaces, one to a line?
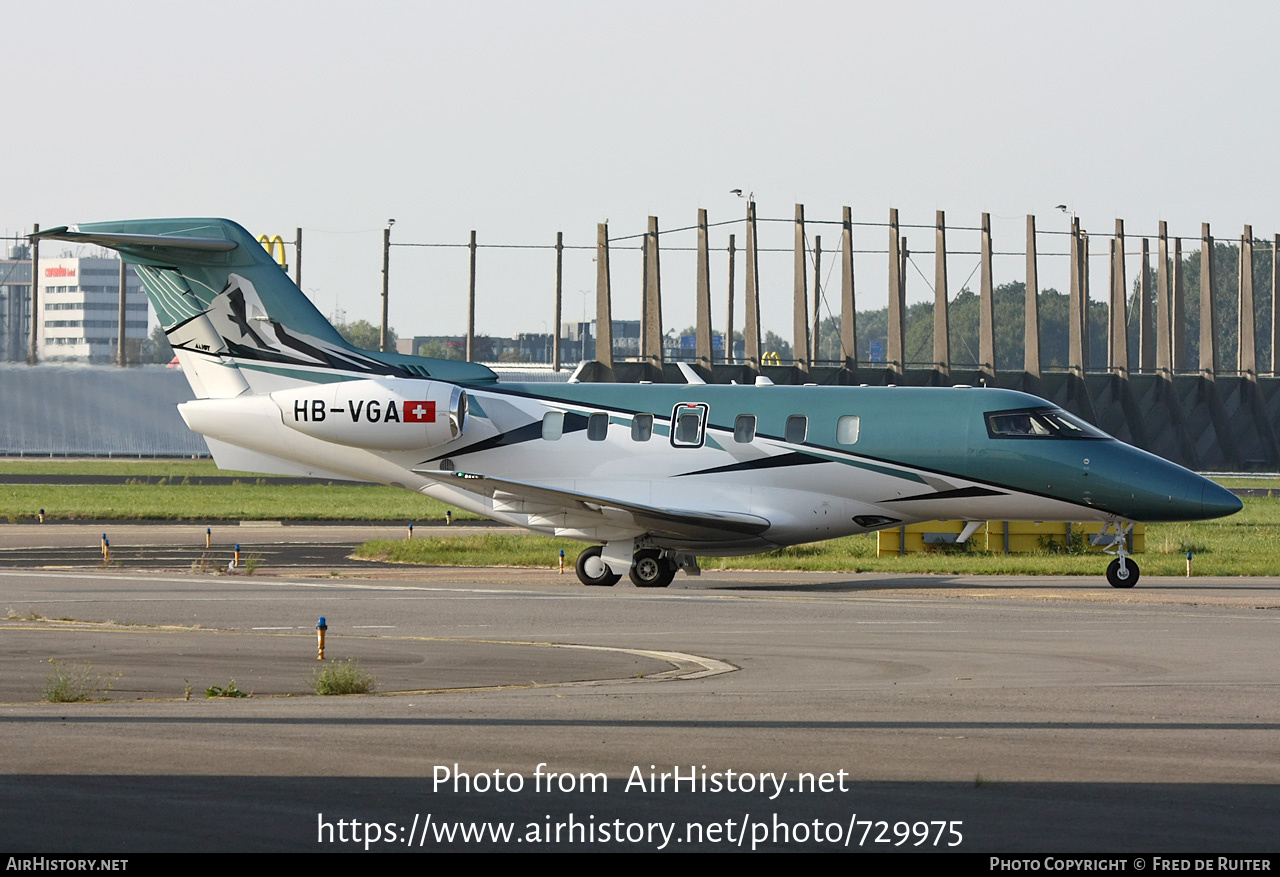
{"x":85,"y":410}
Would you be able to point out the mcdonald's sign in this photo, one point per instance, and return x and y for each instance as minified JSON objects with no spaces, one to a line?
{"x":270,"y":244}
{"x":771,"y":358}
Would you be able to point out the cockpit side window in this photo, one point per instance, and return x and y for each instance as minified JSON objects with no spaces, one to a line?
{"x":1040,"y":423}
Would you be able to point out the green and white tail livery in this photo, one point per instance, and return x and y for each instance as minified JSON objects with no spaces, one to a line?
{"x":236,"y":320}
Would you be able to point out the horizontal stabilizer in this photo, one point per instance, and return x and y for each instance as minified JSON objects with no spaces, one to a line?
{"x":116,"y":241}
{"x":710,"y":526}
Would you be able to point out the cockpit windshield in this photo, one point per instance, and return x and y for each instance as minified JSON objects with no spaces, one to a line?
{"x":1040,"y":423}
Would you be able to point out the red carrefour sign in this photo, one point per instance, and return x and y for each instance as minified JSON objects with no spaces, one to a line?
{"x":59,"y":271}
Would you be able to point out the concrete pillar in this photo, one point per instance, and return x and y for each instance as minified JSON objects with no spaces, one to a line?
{"x":816,"y":334}
{"x":751,"y":331}
{"x":121,"y":358}
{"x":897,"y":337}
{"x":1031,"y":326}
{"x":904,"y":256}
{"x":800,"y":302}
{"x":653,"y":300}
{"x":728,"y":325}
{"x":1075,"y":304}
{"x":643,"y":343}
{"x":604,"y":307}
{"x":386,"y":285}
{"x":1275,"y":306}
{"x":1146,"y":331}
{"x":1208,"y":317}
{"x":1118,"y":348}
{"x":702,"y":347}
{"x":1164,"y":304}
{"x":1084,"y":292}
{"x":848,"y":307}
{"x":471,"y":303}
{"x":33,"y":351}
{"x":986,"y":308}
{"x":1246,"y":351}
{"x":1178,"y":311}
{"x":555,"y":325}
{"x":941,"y":297}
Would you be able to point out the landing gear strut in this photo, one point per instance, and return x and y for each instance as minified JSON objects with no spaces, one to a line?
{"x":1121,"y":572}
{"x":594,"y":571}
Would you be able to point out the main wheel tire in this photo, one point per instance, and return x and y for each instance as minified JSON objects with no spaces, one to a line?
{"x":1122,"y":578}
{"x":651,"y":570}
{"x":606,"y":579}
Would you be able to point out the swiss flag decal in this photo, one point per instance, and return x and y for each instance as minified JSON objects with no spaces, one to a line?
{"x":419,"y":412}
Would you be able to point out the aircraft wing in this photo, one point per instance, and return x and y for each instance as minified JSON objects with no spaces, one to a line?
{"x":662,"y":522}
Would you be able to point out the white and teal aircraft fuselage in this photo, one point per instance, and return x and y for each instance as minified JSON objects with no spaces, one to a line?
{"x":653,"y":474}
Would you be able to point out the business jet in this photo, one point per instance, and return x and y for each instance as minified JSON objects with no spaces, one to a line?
{"x":653,"y":475}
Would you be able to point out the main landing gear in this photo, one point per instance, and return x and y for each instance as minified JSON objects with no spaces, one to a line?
{"x":651,"y":570}
{"x":650,"y":567}
{"x":1121,"y":572}
{"x":594,"y":571}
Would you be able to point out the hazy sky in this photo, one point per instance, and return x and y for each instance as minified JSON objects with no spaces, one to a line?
{"x":523,"y":119}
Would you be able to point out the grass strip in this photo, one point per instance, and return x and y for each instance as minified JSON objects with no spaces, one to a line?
{"x":247,"y":501}
{"x":115,"y":466}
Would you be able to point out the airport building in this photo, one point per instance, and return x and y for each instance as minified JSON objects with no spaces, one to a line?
{"x":78,"y":310}
{"x":80,"y":307}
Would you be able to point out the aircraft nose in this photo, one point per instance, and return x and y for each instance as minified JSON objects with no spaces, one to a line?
{"x":1218,"y":502}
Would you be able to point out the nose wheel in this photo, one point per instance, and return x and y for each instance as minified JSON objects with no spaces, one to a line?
{"x":1122,"y":573}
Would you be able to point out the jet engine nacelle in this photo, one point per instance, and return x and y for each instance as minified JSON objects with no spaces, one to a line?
{"x":389,"y":414}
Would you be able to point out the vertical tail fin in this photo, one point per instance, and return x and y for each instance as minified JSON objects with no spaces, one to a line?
{"x":236,"y":321}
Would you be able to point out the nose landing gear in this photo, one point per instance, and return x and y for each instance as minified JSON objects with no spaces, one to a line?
{"x":1121,"y":572}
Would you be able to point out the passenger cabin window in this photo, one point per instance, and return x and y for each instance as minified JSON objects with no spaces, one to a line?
{"x":1040,"y":423}
{"x":553,"y":425}
{"x":642,"y":427}
{"x":847,"y":429}
{"x":744,"y":428}
{"x":688,"y":424}
{"x":598,"y":427}
{"x":797,"y":428}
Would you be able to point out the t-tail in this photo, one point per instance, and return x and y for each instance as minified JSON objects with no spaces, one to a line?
{"x":237,"y":322}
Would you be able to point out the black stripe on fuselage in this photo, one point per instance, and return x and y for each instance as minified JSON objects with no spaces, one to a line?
{"x":958,"y":493}
{"x":780,"y":461}
{"x":527,"y":433}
